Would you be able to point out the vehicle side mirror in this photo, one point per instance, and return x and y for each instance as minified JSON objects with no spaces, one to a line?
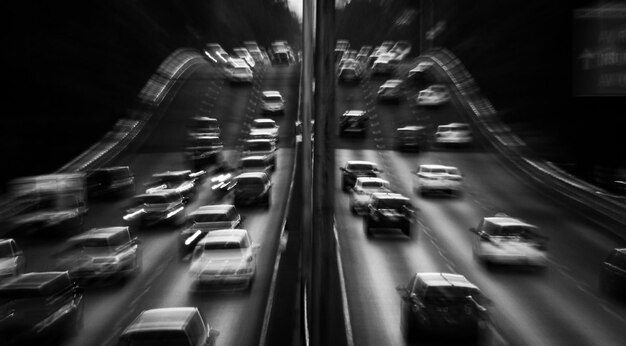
{"x":402,"y":291}
{"x":136,"y":240}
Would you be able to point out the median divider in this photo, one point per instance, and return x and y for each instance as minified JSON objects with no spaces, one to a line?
{"x":607,"y":210}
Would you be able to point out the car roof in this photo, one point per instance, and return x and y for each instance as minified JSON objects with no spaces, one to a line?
{"x":354,"y":112}
{"x":503,"y":221}
{"x":393,"y":82}
{"x":264,"y":120}
{"x":102,"y":233}
{"x":213,"y":209}
{"x":389,"y":195}
{"x":162,"y":319}
{"x":252,"y":175}
{"x":33,"y":280}
{"x":445,"y":279}
{"x":271,"y":93}
{"x":370,"y":179}
{"x":259,"y":140}
{"x":360,"y":162}
{"x":221,"y":235}
{"x":429,"y":166}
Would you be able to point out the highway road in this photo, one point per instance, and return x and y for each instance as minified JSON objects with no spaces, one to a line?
{"x":164,"y":280}
{"x":561,"y":306}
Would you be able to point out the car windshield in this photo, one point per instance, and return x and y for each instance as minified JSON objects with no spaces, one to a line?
{"x":211,"y":217}
{"x":226,"y":245}
{"x":372,"y":184}
{"x":516,"y":231}
{"x":5,"y":250}
{"x":272,"y":99}
{"x":92,"y":243}
{"x":447,"y":294}
{"x":253,"y":163}
{"x":258,"y":146}
{"x":392,"y":203}
{"x":360,"y":167}
{"x":264,"y":125}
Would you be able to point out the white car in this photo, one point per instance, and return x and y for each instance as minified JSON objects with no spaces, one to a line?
{"x":265,"y":125}
{"x":257,"y":163}
{"x":263,"y":147}
{"x":434,"y":95}
{"x":506,"y":240}
{"x":272,"y":102}
{"x":362,"y":191}
{"x":225,"y":258}
{"x":243,"y":53}
{"x":390,"y":90}
{"x":240,"y":74}
{"x":430,"y":178}
{"x":454,"y":133}
{"x":421,"y":67}
{"x":383,"y":64}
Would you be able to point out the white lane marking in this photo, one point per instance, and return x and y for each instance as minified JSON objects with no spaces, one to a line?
{"x":344,"y":295}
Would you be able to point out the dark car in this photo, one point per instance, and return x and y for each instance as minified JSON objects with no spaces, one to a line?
{"x":101,"y":254}
{"x":38,"y":307}
{"x":441,"y":303}
{"x":613,"y":273}
{"x":110,"y":181}
{"x":389,"y":211}
{"x":354,"y":122}
{"x":354,"y":169}
{"x":160,"y":207}
{"x":203,"y":150}
{"x":411,"y":138}
{"x":348,"y":75}
{"x":205,"y":219}
{"x":204,"y":126}
{"x":252,"y":188}
{"x":178,"y":326}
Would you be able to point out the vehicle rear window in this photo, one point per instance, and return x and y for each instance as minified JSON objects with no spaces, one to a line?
{"x":391,"y":203}
{"x":264,"y":125}
{"x":253,"y":163}
{"x":360,"y":167}
{"x":211,"y":217}
{"x":258,"y":146}
{"x":92,"y":243}
{"x":447,"y":294}
{"x":372,"y":184}
{"x":5,"y":250}
{"x":272,"y":99}
{"x":227,"y":245}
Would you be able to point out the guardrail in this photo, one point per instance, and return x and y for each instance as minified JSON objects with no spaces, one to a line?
{"x":126,"y":130}
{"x":485,"y":117}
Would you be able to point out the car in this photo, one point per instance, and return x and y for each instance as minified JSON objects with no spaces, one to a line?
{"x":251,"y":46}
{"x":387,"y":45}
{"x":110,"y":181}
{"x":252,"y":188}
{"x":362,"y":191}
{"x":363,"y":56}
{"x":442,"y":304}
{"x":216,"y":53}
{"x":257,"y":163}
{"x":354,"y":169}
{"x":430,"y":178}
{"x":265,"y":125}
{"x":181,"y":326}
{"x":376,"y":52}
{"x":159,"y":207}
{"x":410,"y":137}
{"x":206,"y":126}
{"x":205,"y":219}
{"x":354,"y":122}
{"x":39,"y":307}
{"x":434,"y":95}
{"x":612,"y":279}
{"x":272,"y":102}
{"x":349,"y":74}
{"x":391,"y":90}
{"x":185,"y":182}
{"x":505,"y":240}
{"x":224,"y":257}
{"x":203,"y":150}
{"x":264,"y":147}
{"x":101,"y":254}
{"x":387,"y":210}
{"x":400,"y":50}
{"x":242,"y":53}
{"x":260,"y":134}
{"x":422,"y":73}
{"x":383,"y":65}
{"x":454,"y":134}
{"x":12,"y":259}
{"x":240,"y":74}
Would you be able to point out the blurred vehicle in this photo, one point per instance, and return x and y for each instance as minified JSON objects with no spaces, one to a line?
{"x":101,"y":254}
{"x":204,"y":220}
{"x":434,"y":95}
{"x":422,"y":73}
{"x":204,"y":126}
{"x":350,"y":54}
{"x":454,"y":134}
{"x":354,"y":122}
{"x":340,"y":48}
{"x":12,"y":259}
{"x":354,"y":169}
{"x":410,"y":137}
{"x":383,"y":65}
{"x":272,"y":101}
{"x":256,"y":164}
{"x":437,"y":178}
{"x":185,"y":182}
{"x":240,"y":74}
{"x":251,"y":46}
{"x":179,"y":326}
{"x":282,"y":56}
{"x":363,"y":55}
{"x":224,"y":257}
{"x":263,"y":147}
{"x":612,"y":278}
{"x":216,"y":53}
{"x":202,"y":150}
{"x":387,"y":45}
{"x":110,"y":181}
{"x":349,"y":75}
{"x":159,"y":207}
{"x":222,"y":181}
{"x":36,"y":308}
{"x":400,"y":50}
{"x":243,"y":53}
{"x":260,"y":134}
{"x":501,"y":239}
{"x":387,"y":210}
{"x":362,"y":191}
{"x":443,"y":304}
{"x":374,"y":55}
{"x":391,"y":90}
{"x":252,"y":188}
{"x":48,"y":202}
